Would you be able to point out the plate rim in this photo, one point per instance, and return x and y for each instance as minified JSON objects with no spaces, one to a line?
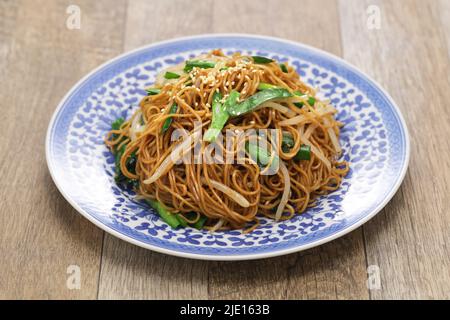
{"x":254,"y":256}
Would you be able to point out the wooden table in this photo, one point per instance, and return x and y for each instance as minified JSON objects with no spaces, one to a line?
{"x":41,"y":235}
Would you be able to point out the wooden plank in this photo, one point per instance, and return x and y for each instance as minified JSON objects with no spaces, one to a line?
{"x":148,"y":275}
{"x":337,"y":273}
{"x":333,"y":271}
{"x":130,"y":272}
{"x":151,"y":21}
{"x":336,"y":270}
{"x":444,"y":9}
{"x":409,"y":240}
{"x":288,"y":19}
{"x":41,"y":235}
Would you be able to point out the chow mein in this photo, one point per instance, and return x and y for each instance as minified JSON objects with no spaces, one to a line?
{"x":187,"y":150}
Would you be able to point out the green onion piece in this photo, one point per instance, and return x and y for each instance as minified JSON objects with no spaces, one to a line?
{"x":219,"y":118}
{"x":168,"y":121}
{"x":261,"y":60}
{"x":264,"y":86}
{"x":118,"y":152}
{"x":200,"y":223}
{"x":311,"y":100}
{"x":153,"y":91}
{"x":118,"y":172}
{"x":119,"y":177}
{"x":220,"y":114}
{"x":287,"y":142}
{"x":224,"y":68}
{"x":183,"y":217}
{"x":283,"y":68}
{"x":171,"y":75}
{"x":252,"y":102}
{"x":131,"y":162}
{"x":190,"y":216}
{"x":262,"y":156}
{"x":190,"y":64}
{"x":117,"y":123}
{"x":232,"y":100}
{"x":304,"y":153}
{"x":165,"y":214}
{"x":183,"y":222}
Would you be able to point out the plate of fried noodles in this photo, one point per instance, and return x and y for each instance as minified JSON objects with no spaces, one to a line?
{"x":227,"y":147}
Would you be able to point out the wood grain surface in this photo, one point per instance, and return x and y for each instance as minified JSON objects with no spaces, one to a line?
{"x":41,"y":235}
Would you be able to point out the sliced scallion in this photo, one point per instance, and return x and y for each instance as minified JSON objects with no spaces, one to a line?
{"x":264,"y":86}
{"x":200,"y":223}
{"x":168,"y":121}
{"x":304,"y":153}
{"x":190,"y":64}
{"x":165,"y":214}
{"x":261,"y":60}
{"x":153,"y":91}
{"x":171,"y":75}
{"x":252,"y":102}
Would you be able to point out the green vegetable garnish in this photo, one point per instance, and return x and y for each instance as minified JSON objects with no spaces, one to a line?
{"x":165,"y":214}
{"x":231,"y":107}
{"x":191,"y":216}
{"x":183,"y":222}
{"x":190,"y":64}
{"x":311,"y":100}
{"x":261,"y":60}
{"x":168,"y":121}
{"x":171,"y":75}
{"x":257,"y":99}
{"x":117,"y":123}
{"x":117,"y":156}
{"x":119,"y":177}
{"x":261,"y":155}
{"x":304,"y":153}
{"x":283,"y":68}
{"x":264,"y":86}
{"x":131,"y":161}
{"x":200,"y":223}
{"x":220,"y":114}
{"x":153,"y":91}
{"x":287,"y":142}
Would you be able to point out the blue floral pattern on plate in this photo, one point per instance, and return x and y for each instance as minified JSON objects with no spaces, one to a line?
{"x":374,"y":140}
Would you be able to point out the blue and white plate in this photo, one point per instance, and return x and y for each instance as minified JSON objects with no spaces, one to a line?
{"x":374,"y":139}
